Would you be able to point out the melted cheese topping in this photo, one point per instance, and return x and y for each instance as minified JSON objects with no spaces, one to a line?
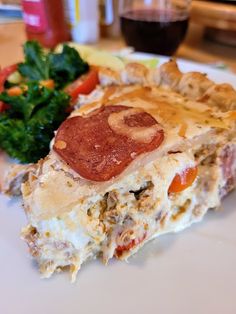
{"x":117,"y":123}
{"x":163,"y":104}
{"x":182,"y":120}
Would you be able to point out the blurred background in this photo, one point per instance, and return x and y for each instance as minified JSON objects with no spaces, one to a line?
{"x":210,"y":36}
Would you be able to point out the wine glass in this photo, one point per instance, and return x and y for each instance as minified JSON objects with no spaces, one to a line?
{"x":154,"y":26}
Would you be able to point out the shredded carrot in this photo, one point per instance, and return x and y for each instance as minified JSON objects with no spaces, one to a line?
{"x":183,"y":129}
{"x":47,"y":83}
{"x":15,"y":91}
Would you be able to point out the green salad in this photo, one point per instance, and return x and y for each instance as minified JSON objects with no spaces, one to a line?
{"x":33,"y":102}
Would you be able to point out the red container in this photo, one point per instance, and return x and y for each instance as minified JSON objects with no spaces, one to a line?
{"x":45,"y":21}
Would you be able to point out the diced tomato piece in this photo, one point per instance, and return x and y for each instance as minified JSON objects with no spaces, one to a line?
{"x":4,"y":73}
{"x":127,"y":247}
{"x":83,"y":85}
{"x":183,"y":180}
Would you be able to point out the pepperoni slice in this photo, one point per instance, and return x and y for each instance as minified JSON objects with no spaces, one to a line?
{"x":102,"y":144}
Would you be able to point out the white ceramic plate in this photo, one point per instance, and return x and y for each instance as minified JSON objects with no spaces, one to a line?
{"x":193,"y":272}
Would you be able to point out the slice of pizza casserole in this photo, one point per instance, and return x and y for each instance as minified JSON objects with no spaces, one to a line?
{"x":150,"y":154}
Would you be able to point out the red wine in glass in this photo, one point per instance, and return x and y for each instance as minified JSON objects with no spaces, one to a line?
{"x":153,"y":30}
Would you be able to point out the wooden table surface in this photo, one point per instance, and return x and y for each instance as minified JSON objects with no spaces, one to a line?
{"x":195,"y":47}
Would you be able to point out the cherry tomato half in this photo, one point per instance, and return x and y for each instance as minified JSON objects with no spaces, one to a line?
{"x":83,"y":85}
{"x":4,"y":73}
{"x":183,"y":181}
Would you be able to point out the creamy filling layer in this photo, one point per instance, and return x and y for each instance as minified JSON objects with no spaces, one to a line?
{"x":129,"y":214}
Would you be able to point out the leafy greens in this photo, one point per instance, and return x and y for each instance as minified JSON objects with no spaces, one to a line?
{"x":62,"y":67}
{"x":27,"y":128}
